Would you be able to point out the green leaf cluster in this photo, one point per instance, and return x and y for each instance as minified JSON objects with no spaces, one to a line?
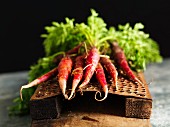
{"x":95,"y":30}
{"x":61,"y":37}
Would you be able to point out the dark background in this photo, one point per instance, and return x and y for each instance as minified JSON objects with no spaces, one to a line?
{"x":22,"y":23}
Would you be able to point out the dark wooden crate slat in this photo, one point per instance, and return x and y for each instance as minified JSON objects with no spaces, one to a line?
{"x":48,"y":108}
{"x":138,"y":108}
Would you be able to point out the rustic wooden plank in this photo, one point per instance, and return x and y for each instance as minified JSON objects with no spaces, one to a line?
{"x":84,"y":119}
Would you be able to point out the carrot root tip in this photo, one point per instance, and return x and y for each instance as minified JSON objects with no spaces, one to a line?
{"x":81,"y":91}
{"x":116,"y":85}
{"x":21,"y":93}
{"x":105,"y":96}
{"x":23,"y":87}
{"x":140,"y":82}
{"x":72,"y":95}
{"x":65,"y":96}
{"x":105,"y":89}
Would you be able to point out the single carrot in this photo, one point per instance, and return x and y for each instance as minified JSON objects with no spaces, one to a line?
{"x":39,"y":80}
{"x":77,"y":73}
{"x":100,"y":76}
{"x":91,"y":64}
{"x":69,"y":52}
{"x":64,"y":70}
{"x":121,"y":60}
{"x":111,"y":69}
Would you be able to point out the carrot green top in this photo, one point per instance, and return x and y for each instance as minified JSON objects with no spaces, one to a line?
{"x":139,"y":48}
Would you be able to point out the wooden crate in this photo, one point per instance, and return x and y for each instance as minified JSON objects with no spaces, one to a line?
{"x":131,"y":102}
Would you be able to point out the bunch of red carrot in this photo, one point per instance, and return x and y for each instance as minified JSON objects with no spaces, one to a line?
{"x":81,"y":67}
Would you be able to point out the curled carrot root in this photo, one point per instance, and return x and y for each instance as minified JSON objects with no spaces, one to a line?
{"x":31,"y":84}
{"x":39,"y":80}
{"x":105,"y":89}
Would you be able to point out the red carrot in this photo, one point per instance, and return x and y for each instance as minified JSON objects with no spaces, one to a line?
{"x":120,"y":58}
{"x":77,"y":73}
{"x":91,"y":64}
{"x":64,"y":70}
{"x":111,"y":69}
{"x":39,"y":80}
{"x":100,"y":76}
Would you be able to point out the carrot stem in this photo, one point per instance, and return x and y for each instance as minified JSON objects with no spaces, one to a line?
{"x":75,"y":49}
{"x":58,"y":57}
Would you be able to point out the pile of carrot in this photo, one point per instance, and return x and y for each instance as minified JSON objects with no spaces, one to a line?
{"x":81,"y":67}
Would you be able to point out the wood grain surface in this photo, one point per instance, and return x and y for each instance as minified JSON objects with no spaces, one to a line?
{"x":80,"y":119}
